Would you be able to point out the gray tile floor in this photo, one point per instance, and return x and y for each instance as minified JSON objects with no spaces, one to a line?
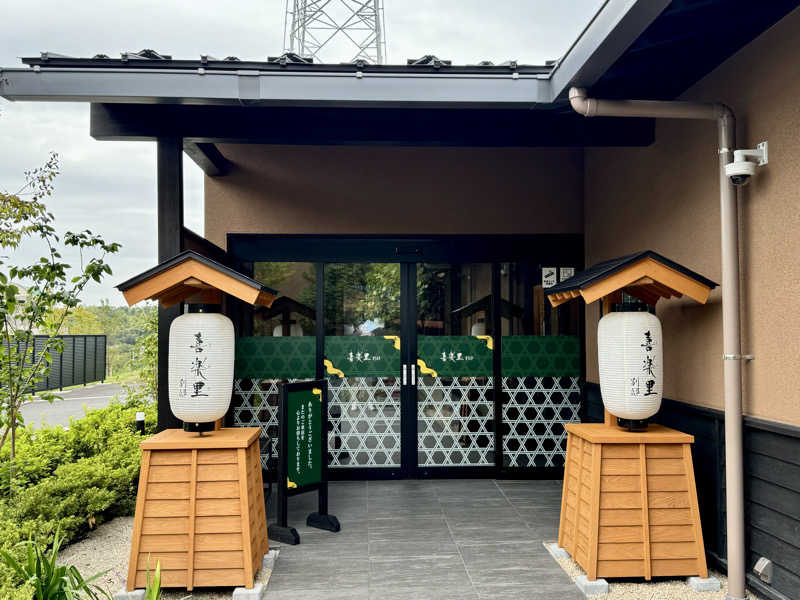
{"x":426,"y":540}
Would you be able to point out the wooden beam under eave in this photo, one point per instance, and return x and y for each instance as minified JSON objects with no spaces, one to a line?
{"x":658,"y":272}
{"x":208,"y":157}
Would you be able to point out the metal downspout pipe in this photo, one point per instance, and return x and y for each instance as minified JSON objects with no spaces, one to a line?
{"x":731,"y":328}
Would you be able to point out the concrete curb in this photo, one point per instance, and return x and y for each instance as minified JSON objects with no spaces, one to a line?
{"x":124,"y":594}
{"x":591,"y":588}
{"x":254,"y":593}
{"x":555,"y":551}
{"x":704,"y":584}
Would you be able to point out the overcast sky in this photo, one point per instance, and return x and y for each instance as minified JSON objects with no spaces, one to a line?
{"x":109,"y":187}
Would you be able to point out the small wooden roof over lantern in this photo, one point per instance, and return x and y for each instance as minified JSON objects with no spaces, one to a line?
{"x":190,"y":276}
{"x":646,"y":275}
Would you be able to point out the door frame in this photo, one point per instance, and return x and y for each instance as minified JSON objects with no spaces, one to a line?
{"x":408,"y":251}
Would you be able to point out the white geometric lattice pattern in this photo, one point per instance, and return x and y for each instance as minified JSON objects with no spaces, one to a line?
{"x":455,"y":421}
{"x":364,"y":413}
{"x":255,"y":404}
{"x":535,"y":410}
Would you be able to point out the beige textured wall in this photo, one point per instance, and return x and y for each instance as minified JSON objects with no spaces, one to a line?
{"x":666,"y":198}
{"x":341,"y":189}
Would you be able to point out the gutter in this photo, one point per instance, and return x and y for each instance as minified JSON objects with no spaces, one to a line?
{"x":731,"y":327}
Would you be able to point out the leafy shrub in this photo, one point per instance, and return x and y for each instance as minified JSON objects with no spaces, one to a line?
{"x":69,"y":480}
{"x":50,"y":581}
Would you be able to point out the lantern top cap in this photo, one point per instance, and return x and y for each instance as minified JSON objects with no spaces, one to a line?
{"x":190,"y":274}
{"x":645,"y":275}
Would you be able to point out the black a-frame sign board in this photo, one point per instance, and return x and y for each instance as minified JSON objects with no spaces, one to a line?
{"x":302,"y":456}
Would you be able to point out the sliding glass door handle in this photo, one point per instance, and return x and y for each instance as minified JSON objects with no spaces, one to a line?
{"x":405,"y":374}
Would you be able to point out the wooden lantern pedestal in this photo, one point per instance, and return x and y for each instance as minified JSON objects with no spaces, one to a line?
{"x":629,"y":505}
{"x":199,"y":509}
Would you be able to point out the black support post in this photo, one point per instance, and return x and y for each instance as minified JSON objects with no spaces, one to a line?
{"x":169,"y":161}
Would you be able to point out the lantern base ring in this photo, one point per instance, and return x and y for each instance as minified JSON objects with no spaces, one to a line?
{"x":632,"y":424}
{"x":198,"y":427}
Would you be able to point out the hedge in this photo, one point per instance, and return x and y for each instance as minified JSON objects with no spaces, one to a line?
{"x":73,"y":479}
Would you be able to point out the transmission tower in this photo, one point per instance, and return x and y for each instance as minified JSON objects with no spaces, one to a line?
{"x":352,"y":26}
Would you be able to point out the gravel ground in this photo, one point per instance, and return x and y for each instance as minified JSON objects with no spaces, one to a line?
{"x":108,"y":547}
{"x":666,"y":589}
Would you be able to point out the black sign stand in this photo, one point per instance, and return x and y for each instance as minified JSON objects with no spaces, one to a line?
{"x":280,"y":531}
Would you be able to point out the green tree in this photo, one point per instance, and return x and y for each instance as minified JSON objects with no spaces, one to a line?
{"x":145,"y":360}
{"x":50,"y":287}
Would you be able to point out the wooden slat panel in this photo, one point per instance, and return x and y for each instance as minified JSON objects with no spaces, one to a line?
{"x":170,"y":561}
{"x":668,"y":500}
{"x":168,"y":491}
{"x":620,"y":466}
{"x":192,"y":509}
{"x":218,"y":524}
{"x":694,"y":509}
{"x":219,"y":541}
{"x":682,"y":567}
{"x":170,"y":473}
{"x":664,"y":450}
{"x":137,"y":520}
{"x":622,"y":551}
{"x":163,"y":543}
{"x":670,"y":516}
{"x":671,"y":533}
{"x":620,"y":500}
{"x":610,"y":517}
{"x":218,"y":507}
{"x":620,"y":483}
{"x":171,"y":457}
{"x":620,"y":568}
{"x":165,"y":525}
{"x":648,"y":574}
{"x":218,"y":560}
{"x":222,"y":456}
{"x":217,"y":473}
{"x":166,"y":508}
{"x":219,"y":577}
{"x":247,"y":547}
{"x":673,"y":550}
{"x":563,"y":523}
{"x":620,"y":534}
{"x":665,"y":466}
{"x":217,"y":489}
{"x":666,"y":483}
{"x":621,"y":451}
{"x":168,"y":578}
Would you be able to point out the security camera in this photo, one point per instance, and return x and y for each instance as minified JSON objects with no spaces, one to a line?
{"x":745,"y":162}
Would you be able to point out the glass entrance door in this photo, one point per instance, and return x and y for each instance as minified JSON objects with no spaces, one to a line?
{"x":455,"y":365}
{"x":362,"y":362}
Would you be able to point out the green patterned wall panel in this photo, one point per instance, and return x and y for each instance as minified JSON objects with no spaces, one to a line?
{"x":541,"y":356}
{"x":455,"y":355}
{"x":267,"y":357}
{"x":362,"y":356}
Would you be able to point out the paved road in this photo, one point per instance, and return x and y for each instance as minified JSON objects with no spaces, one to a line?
{"x":72,"y":405}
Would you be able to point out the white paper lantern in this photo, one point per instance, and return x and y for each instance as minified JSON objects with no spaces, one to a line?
{"x":201,"y":351}
{"x":630,"y":357}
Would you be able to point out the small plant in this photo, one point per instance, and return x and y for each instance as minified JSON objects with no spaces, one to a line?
{"x":49,"y":580}
{"x":152,"y":590}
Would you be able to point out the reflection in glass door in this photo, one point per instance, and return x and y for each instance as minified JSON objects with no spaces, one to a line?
{"x":455,"y":387}
{"x":362,"y":364}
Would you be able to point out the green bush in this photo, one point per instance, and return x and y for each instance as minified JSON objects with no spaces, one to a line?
{"x":69,"y":479}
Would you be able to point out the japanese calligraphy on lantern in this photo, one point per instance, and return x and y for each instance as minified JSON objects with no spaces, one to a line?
{"x":644,"y":384}
{"x":193,"y":383}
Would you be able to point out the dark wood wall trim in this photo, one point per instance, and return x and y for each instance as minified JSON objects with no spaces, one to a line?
{"x":772,"y":486}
